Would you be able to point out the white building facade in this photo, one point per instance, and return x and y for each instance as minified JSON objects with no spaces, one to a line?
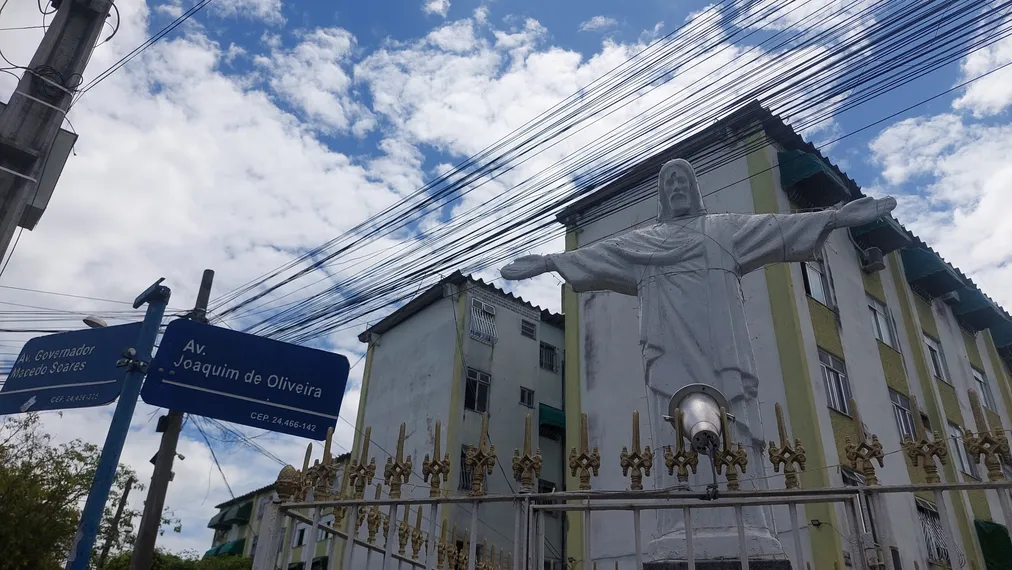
{"x":880,"y":318}
{"x":459,"y":350}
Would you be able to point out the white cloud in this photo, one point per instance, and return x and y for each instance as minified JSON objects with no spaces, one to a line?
{"x":960,"y":206}
{"x":992,"y":94}
{"x":313,"y":77}
{"x":268,"y":11}
{"x":598,"y":23}
{"x":439,"y":7}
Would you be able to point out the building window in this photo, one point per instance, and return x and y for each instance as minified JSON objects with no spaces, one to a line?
{"x":834,"y":374}
{"x":476,"y":391}
{"x":465,"y":471}
{"x":816,"y":276}
{"x":962,"y":457}
{"x":545,"y":486}
{"x":901,"y":411}
{"x":528,"y":329}
{"x":936,"y":359}
{"x":527,"y":397}
{"x":300,"y":537}
{"x":326,"y":520}
{"x":549,"y":357}
{"x":882,"y":323}
{"x":984,"y":389}
{"x":934,"y":536}
{"x":852,"y":478}
{"x":483,"y":322}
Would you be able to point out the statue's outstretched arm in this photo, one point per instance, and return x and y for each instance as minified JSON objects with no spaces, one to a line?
{"x":863,"y":211}
{"x":526,"y":267}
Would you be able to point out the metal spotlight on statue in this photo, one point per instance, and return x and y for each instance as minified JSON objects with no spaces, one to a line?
{"x":699,"y":422}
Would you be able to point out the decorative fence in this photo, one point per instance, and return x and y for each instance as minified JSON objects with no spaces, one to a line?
{"x":396,"y":533}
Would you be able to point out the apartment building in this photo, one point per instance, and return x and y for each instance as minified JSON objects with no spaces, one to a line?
{"x":880,"y":318}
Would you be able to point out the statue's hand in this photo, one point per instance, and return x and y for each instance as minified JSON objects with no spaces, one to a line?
{"x":863,"y":211}
{"x":525,"y":267}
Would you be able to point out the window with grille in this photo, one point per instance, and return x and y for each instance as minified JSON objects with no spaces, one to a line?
{"x":528,"y":329}
{"x":527,"y":397}
{"x":901,"y":411}
{"x":962,"y":457}
{"x":882,"y":323}
{"x":834,"y":374}
{"x":984,"y":389}
{"x":545,"y":486}
{"x":936,"y":359}
{"x":466,"y":473}
{"x":483,"y":322}
{"x":934,"y":536}
{"x":549,"y":357}
{"x":476,"y":391}
{"x":322,"y":535}
{"x":816,"y":277}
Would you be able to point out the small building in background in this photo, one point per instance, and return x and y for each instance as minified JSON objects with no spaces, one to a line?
{"x":458,"y":350}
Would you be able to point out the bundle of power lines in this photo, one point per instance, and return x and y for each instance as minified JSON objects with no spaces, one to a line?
{"x":824,"y":62}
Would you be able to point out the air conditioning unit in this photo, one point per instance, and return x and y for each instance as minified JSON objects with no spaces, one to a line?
{"x":951,"y":298}
{"x":872,"y":260}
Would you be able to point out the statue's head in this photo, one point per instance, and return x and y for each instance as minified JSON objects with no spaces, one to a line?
{"x":678,"y":191}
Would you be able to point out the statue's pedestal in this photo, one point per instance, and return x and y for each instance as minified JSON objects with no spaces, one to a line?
{"x":718,"y":565}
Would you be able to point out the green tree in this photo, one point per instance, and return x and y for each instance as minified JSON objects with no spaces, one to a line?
{"x":185,"y":561}
{"x":42,"y":490}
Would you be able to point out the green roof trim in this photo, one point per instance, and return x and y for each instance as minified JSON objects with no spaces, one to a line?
{"x":547,"y":415}
{"x":925,"y":270}
{"x":237,"y":514}
{"x":886,"y":234}
{"x":235,"y":547}
{"x":212,"y":551}
{"x":808,"y":179}
{"x":215,"y":521}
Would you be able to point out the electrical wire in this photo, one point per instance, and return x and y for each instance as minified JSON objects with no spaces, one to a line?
{"x":214,"y":457}
{"x":368,"y":280}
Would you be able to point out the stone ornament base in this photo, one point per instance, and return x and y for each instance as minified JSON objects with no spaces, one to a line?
{"x":718,"y":565}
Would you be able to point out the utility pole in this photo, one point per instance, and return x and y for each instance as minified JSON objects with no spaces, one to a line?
{"x":115,"y":524}
{"x":151,"y":519}
{"x":30,"y":122}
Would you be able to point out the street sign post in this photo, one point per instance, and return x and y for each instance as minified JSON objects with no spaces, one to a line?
{"x":250,"y":380}
{"x":74,"y":369}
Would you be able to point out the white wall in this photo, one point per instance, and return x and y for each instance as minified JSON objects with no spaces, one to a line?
{"x":513,"y":362}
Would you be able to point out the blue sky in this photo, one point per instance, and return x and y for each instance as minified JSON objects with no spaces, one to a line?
{"x":263,"y":128}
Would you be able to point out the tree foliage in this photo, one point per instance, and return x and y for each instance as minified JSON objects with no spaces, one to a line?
{"x":186,"y":561}
{"x":42,"y":491}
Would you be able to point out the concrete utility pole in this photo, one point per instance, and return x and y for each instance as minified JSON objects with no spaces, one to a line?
{"x":115,"y":524}
{"x":151,"y":519}
{"x":31,"y":120}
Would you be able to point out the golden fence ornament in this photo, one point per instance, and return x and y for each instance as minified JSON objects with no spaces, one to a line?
{"x":417,"y":538}
{"x":585,"y":462}
{"x":397,"y":470}
{"x":373,"y":517}
{"x":434,"y":470}
{"x":681,"y":459}
{"x":442,"y":547}
{"x":362,"y":471}
{"x":785,"y":454}
{"x":451,"y":550}
{"x":865,"y":451}
{"x":326,"y":471}
{"x":462,"y":556}
{"x":481,"y":460}
{"x":639,"y":461}
{"x":404,"y":532}
{"x":990,"y":444}
{"x":482,"y":563}
{"x":923,"y":451}
{"x":527,"y":467}
{"x":729,"y":457}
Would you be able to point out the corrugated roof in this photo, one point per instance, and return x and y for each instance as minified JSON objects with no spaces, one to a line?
{"x":343,"y":458}
{"x":435,"y":293}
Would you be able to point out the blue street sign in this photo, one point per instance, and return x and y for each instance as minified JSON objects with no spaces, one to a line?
{"x":74,"y":369}
{"x":250,"y":380}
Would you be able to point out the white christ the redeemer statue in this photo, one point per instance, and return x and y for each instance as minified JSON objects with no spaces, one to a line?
{"x":685,"y":270}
